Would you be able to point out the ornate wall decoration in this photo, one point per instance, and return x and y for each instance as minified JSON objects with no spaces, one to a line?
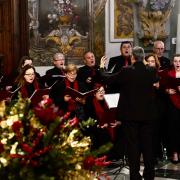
{"x":59,"y":26}
{"x":98,"y":8}
{"x":153,"y":17}
{"x":98,"y":24}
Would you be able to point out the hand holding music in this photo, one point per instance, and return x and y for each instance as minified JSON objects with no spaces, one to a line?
{"x":89,"y":80}
{"x":115,"y":124}
{"x":171,"y":91}
{"x":67,"y":98}
{"x":178,"y":88}
{"x":80,"y":100}
{"x":105,"y":125}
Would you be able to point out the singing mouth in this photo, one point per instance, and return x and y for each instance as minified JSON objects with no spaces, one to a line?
{"x":126,"y":52}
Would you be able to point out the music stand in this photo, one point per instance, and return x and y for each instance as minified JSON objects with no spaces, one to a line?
{"x":122,"y":164}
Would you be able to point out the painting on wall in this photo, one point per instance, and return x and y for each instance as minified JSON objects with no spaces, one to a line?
{"x":99,"y":28}
{"x":59,"y":26}
{"x":121,"y":21}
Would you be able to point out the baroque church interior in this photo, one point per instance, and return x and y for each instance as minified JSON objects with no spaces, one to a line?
{"x":75,"y":30}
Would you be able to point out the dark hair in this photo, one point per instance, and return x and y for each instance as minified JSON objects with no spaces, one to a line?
{"x":22,"y":61}
{"x":138,"y":53}
{"x":20,"y":79}
{"x":176,"y":55}
{"x":97,"y":86}
{"x":156,"y":59}
{"x":84,"y":54}
{"x":125,"y":42}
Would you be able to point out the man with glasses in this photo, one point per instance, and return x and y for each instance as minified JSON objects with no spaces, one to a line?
{"x":57,"y":71}
{"x":158,"y":49}
{"x":163,"y":101}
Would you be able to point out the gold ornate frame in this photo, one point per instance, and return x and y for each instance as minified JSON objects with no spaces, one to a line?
{"x":47,"y":39}
{"x":121,"y":23}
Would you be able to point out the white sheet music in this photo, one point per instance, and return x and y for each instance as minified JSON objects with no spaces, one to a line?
{"x":112,"y":100}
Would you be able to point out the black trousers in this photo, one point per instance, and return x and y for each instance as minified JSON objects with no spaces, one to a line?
{"x":139,"y":136}
{"x":174,"y":129}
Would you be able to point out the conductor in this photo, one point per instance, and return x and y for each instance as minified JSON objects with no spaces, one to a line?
{"x":136,"y":111}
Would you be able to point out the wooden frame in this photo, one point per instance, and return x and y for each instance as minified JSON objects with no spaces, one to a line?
{"x":114,"y":14}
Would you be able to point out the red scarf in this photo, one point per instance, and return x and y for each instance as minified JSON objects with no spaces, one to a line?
{"x":71,"y":103}
{"x":24,"y":91}
{"x":175,"y":98}
{"x":75,"y":84}
{"x":93,"y":71}
{"x":172,"y":73}
{"x":126,"y":61}
{"x":100,"y":111}
{"x":104,"y":116}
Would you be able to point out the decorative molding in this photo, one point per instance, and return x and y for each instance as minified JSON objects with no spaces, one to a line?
{"x":98,"y":7}
{"x":153,"y":20}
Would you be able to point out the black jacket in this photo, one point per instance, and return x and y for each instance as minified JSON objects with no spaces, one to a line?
{"x":49,"y":79}
{"x":118,"y":62}
{"x":85,"y":72}
{"x":136,"y":94}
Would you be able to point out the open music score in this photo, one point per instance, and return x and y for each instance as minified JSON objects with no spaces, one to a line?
{"x":38,"y":94}
{"x":55,"y":76}
{"x":112,"y":100}
{"x":74,"y":93}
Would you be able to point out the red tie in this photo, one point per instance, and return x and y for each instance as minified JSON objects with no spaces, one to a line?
{"x":126,"y":61}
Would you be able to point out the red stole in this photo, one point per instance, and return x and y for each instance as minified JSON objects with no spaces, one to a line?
{"x":126,"y":61}
{"x":24,"y":91}
{"x":172,"y":73}
{"x":104,"y":115}
{"x":75,"y":84}
{"x":100,"y":111}
{"x":71,"y":103}
{"x":173,"y":83}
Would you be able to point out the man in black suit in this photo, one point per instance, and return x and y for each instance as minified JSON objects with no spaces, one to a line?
{"x":124,"y":59}
{"x":89,"y":73}
{"x":165,"y":64}
{"x":158,"y":49}
{"x":136,"y":111}
{"x":58,"y":69}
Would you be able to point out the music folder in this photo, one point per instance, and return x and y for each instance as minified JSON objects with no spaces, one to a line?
{"x":5,"y":94}
{"x":74,"y":93}
{"x":37,"y":95}
{"x":112,"y":100}
{"x":111,"y":70}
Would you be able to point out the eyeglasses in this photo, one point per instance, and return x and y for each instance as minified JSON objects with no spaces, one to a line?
{"x":160,"y":49}
{"x":101,"y":91}
{"x":30,"y":74}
